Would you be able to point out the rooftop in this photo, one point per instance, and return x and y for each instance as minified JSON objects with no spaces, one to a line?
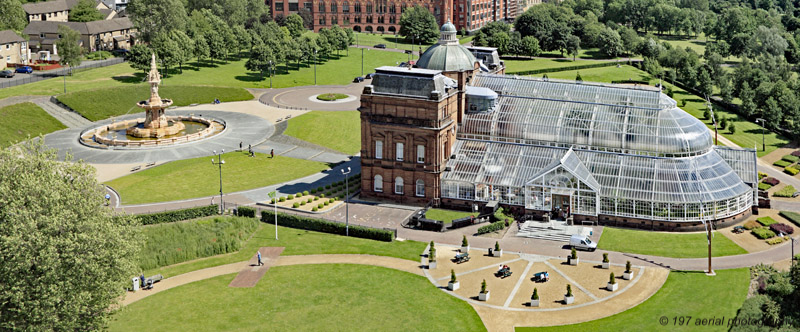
{"x":9,"y":36}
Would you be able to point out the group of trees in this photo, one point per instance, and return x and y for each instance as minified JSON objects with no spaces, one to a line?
{"x":507,"y":42}
{"x":13,"y":17}
{"x":776,"y":302}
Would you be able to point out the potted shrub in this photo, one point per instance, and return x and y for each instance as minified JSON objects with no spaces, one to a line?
{"x":534,"y":298}
{"x":497,"y":251}
{"x":573,"y":258}
{"x":484,"y":294}
{"x":432,"y":257}
{"x":606,"y":263}
{"x":464,"y":244}
{"x":568,"y":298}
{"x":453,"y":284}
{"x":612,"y":283}
{"x":628,"y":275}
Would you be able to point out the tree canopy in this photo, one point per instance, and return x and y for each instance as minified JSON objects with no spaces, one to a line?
{"x":68,"y":46}
{"x":85,"y":11}
{"x":66,"y":258}
{"x":12,"y":16}
{"x":418,"y":24}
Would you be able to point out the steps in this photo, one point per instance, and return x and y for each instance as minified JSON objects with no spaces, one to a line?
{"x":67,"y":117}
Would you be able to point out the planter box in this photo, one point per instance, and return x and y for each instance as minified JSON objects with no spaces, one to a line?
{"x":465,"y":249}
{"x":431,"y":265}
{"x":533,"y":303}
{"x":612,"y":287}
{"x":453,"y":285}
{"x":497,"y":253}
{"x":483,"y":296}
{"x":627,"y":275}
{"x":573,"y":261}
{"x":606,"y":265}
{"x":569,"y":299}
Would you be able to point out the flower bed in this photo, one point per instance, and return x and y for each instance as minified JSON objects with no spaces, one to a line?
{"x":772,"y":181}
{"x":785,"y":192}
{"x":781,"y":228}
{"x":763,"y":233}
{"x":319,"y":199}
{"x":781,"y":163}
{"x":766,"y":221}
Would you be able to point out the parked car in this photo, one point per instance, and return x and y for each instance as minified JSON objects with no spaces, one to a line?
{"x":370,"y":75}
{"x":796,"y":193}
{"x":6,"y":73}
{"x":24,"y":69}
{"x":582,"y":242}
{"x":380,"y":46}
{"x":358,"y":79}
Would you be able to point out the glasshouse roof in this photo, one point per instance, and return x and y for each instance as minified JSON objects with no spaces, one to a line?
{"x":700,"y":178}
{"x":537,"y":111}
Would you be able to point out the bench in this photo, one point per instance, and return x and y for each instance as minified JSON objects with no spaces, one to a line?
{"x":430,"y":224}
{"x":461,"y":258}
{"x":148,"y":282}
{"x":462,"y":222}
{"x":151,"y":164}
{"x":136,"y":168}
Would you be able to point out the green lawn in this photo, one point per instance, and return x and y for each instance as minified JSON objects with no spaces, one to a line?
{"x":116,"y":75}
{"x":748,"y":134}
{"x":446,"y":215}
{"x":679,"y":245}
{"x":98,"y":104}
{"x":337,"y":297}
{"x":684,"y":294}
{"x":20,"y":121}
{"x":301,"y":242}
{"x":340,"y":131}
{"x":191,"y":178}
{"x":516,"y":66}
{"x":371,"y":39}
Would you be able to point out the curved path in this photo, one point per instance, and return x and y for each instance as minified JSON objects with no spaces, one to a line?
{"x":299,"y":97}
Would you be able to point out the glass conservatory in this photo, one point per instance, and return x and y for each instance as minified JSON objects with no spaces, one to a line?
{"x":595,"y":150}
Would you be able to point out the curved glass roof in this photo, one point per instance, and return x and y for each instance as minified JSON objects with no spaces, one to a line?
{"x":594,"y":116}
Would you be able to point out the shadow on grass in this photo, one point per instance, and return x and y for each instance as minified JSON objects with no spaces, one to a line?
{"x":251,"y":77}
{"x":130,"y":79}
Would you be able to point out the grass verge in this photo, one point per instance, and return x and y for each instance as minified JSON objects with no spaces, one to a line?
{"x":332,"y":96}
{"x":691,"y":295}
{"x":20,"y":121}
{"x":446,"y":216}
{"x":191,"y":178}
{"x":678,"y":245}
{"x":340,"y":131}
{"x":339,"y":297}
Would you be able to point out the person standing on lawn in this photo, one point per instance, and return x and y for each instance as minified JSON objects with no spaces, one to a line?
{"x":259,"y":259}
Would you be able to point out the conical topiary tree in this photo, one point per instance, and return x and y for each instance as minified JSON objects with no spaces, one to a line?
{"x":483,"y":286}
{"x":452,"y":275}
{"x":574,"y":253}
{"x":535,"y":295}
{"x":464,"y":242}
{"x":628,"y":267}
{"x":432,"y":255}
{"x":605,"y":257}
{"x":496,"y":246}
{"x":569,"y":290}
{"x":611,"y":279}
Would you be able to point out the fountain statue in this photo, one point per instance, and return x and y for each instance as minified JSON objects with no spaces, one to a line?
{"x":156,"y":123}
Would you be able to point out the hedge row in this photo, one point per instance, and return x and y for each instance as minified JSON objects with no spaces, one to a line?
{"x":785,"y":191}
{"x":553,"y":70}
{"x":495,"y":226}
{"x":178,"y":215}
{"x":766,"y":221}
{"x":764,"y":186}
{"x":319,"y":225}
{"x":763,"y":233}
{"x":246,"y":211}
{"x":791,"y":158}
{"x":794,"y":217}
{"x":791,"y":171}
{"x":781,"y":163}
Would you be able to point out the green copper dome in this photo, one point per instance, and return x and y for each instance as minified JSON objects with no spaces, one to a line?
{"x":447,"y":54}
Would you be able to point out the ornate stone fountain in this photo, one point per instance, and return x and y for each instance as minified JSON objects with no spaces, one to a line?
{"x":156,"y":123}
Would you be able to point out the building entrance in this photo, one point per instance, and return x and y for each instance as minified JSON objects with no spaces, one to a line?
{"x":561,"y":208}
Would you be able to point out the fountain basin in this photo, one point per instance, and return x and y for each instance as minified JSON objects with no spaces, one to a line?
{"x":103,"y":136}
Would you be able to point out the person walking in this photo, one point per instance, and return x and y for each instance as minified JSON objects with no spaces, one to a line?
{"x":259,"y":259}
{"x":240,"y":145}
{"x":272,"y":153}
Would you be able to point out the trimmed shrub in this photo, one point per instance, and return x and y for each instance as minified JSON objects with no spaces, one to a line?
{"x":766,"y":221}
{"x":303,"y":203}
{"x":464,"y":242}
{"x":309,"y":200}
{"x":605,"y":257}
{"x":574,"y":253}
{"x":751,"y":224}
{"x":781,"y":163}
{"x":283,"y":199}
{"x":764,"y":186}
{"x":611,"y":279}
{"x":314,"y":209}
{"x":763,"y":233}
{"x":781,"y":228}
{"x":272,"y":201}
{"x":791,"y":170}
{"x":246,"y":211}
{"x":177,"y":215}
{"x":452,"y":275}
{"x":761,"y":175}
{"x":325,"y":226}
{"x":320,"y":205}
{"x":496,"y":246}
{"x":296,"y":205}
{"x":483,"y":286}
{"x":331,"y":200}
{"x":790,"y":158}
{"x":774,"y":241}
{"x":305,"y":193}
{"x":785,"y":191}
{"x":732,"y":128}
{"x":327,"y":186}
{"x":495,"y":226}
{"x":569,"y":290}
{"x":316,"y":198}
{"x":298,"y":195}
{"x":326,"y":203}
{"x":535,"y":295}
{"x":321,"y":195}
{"x":290,"y":197}
{"x":794,"y":217}
{"x":628,"y":267}
{"x":313,"y":191}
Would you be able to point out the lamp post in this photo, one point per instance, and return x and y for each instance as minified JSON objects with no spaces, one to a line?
{"x":763,"y":129}
{"x":315,"y":66}
{"x":346,"y":201}
{"x":791,"y":261}
{"x":220,"y":163}
{"x":362,"y":62}
{"x":270,"y":74}
{"x":274,"y":195}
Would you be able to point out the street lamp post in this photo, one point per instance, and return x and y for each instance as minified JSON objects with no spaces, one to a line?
{"x":274,"y":195}
{"x":346,"y":201}
{"x":791,"y":261}
{"x":315,"y":66}
{"x":220,"y":163}
{"x":362,"y":62}
{"x":763,"y":129}
{"x":270,"y":74}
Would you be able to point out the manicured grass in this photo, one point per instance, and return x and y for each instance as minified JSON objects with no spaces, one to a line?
{"x":787,"y":191}
{"x":339,"y":297}
{"x":684,"y":294}
{"x":172,"y":243}
{"x":446,"y":216}
{"x":301,"y":242}
{"x":691,"y":245}
{"x":372,"y":39}
{"x":104,"y":103}
{"x":191,"y":178}
{"x":748,"y":134}
{"x":340,"y":131}
{"x":766,"y":221}
{"x":332,"y":96}
{"x":116,"y":75}
{"x":516,"y":66}
{"x":20,"y":121}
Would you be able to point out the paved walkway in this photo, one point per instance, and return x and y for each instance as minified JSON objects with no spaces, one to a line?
{"x":249,"y":276}
{"x":67,"y":117}
{"x":299,"y":97}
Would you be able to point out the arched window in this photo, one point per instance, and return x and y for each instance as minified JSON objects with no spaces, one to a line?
{"x":398,"y":185}
{"x":420,"y":188}
{"x":378,"y":185}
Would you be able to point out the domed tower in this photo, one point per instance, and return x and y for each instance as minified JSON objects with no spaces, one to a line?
{"x":453,"y":59}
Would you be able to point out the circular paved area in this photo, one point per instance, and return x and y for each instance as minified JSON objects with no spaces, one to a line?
{"x":300,"y":97}
{"x":241,"y":127}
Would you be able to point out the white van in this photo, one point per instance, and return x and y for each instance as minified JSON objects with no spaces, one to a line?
{"x":578,"y":241}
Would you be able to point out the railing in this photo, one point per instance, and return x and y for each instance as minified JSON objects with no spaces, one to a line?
{"x":45,"y":75}
{"x":282,"y":106}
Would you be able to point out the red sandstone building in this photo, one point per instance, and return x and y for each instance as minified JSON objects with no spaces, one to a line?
{"x":383,"y":16}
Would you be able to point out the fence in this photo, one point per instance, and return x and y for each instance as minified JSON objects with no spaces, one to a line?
{"x":40,"y":76}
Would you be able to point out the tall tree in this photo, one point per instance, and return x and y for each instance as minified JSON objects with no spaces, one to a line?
{"x":530,"y":46}
{"x":151,"y":17}
{"x":244,"y":40}
{"x":418,"y":24}
{"x":260,"y":58}
{"x":85,"y":11}
{"x":167,"y":51}
{"x":12,"y":16}
{"x":66,"y":258}
{"x":295,"y":25}
{"x":610,"y":43}
{"x":186,"y":46}
{"x":68,"y":48}
{"x":573,"y":46}
{"x":139,"y":57}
